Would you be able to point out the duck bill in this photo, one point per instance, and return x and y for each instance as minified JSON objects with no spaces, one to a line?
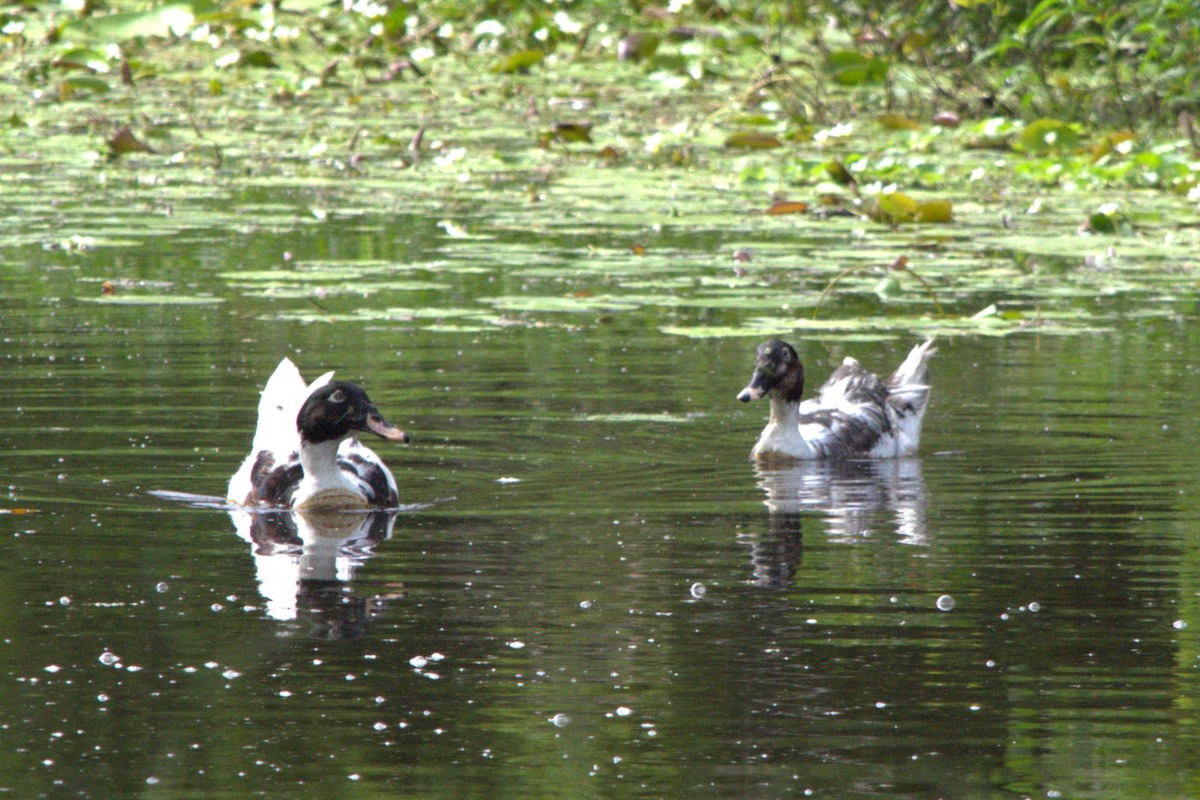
{"x":380,"y":427}
{"x":755,"y":391}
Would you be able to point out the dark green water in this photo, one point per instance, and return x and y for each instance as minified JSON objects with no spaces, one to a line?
{"x":596,"y":595}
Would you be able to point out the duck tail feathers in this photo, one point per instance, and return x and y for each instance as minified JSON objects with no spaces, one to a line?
{"x":909,"y":384}
{"x":278,"y":406}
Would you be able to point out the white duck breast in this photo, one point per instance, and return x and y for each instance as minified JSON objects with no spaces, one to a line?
{"x":856,"y":414}
{"x":305,"y":452}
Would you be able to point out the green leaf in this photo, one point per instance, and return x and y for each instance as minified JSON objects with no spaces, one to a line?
{"x":854,"y":69}
{"x":519,"y":62}
{"x":838,"y":173}
{"x":894,"y":207}
{"x":71,"y":86}
{"x":898,"y":122}
{"x":1047,"y":136}
{"x":934,"y":211}
{"x":163,"y":22}
{"x":751,"y":140}
{"x":573,"y":131}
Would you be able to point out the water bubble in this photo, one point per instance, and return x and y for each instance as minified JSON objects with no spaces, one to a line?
{"x":516,"y":644}
{"x":418,"y":662}
{"x":624,"y":711}
{"x":945,"y":603}
{"x":1034,"y":607}
{"x":108,"y":658}
{"x":64,"y":601}
{"x":161,"y":587}
{"x":1178,"y":624}
{"x":560,"y":720}
{"x":585,"y":603}
{"x":698,"y":590}
{"x":436,"y":657}
{"x":230,"y":674}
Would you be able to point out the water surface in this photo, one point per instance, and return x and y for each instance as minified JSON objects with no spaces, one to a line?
{"x":593,"y":591}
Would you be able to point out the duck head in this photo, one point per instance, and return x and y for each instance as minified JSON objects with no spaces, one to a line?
{"x":777,"y":372}
{"x":336,"y":410}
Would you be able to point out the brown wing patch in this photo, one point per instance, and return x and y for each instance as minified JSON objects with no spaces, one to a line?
{"x":274,"y":484}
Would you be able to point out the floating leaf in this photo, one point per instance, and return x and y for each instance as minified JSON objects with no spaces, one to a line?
{"x":125,"y":142}
{"x":854,"y":69}
{"x":752,"y":140}
{"x":838,"y":173}
{"x":163,"y":21}
{"x":1108,"y":220}
{"x":71,"y":86}
{"x":934,"y":211}
{"x":82,"y":58}
{"x":519,"y":62}
{"x":893,"y":207}
{"x":898,"y":122}
{"x":154,"y":300}
{"x":257,"y":58}
{"x":573,"y":131}
{"x":635,"y":417}
{"x":637,"y":46}
{"x":1047,"y":135}
{"x":1120,"y":142}
{"x":896,"y":207}
{"x":787,"y":207}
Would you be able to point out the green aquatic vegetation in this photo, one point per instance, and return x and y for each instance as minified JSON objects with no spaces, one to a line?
{"x":577,"y":303}
{"x":987,"y":322}
{"x":123,"y":298}
{"x":658,"y":199}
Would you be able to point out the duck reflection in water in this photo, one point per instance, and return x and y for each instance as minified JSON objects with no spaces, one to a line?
{"x":305,"y":562}
{"x":858,"y":500}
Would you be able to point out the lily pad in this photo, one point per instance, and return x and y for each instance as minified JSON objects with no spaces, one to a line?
{"x":120,"y":299}
{"x":664,"y":417}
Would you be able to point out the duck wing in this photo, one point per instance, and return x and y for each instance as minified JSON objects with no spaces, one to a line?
{"x":849,"y":415}
{"x":367,"y":470}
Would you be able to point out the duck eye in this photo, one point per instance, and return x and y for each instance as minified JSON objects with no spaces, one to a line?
{"x":338,"y":396}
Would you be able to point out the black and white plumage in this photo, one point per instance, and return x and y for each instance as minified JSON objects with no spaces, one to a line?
{"x":305,"y":453}
{"x":856,"y":414}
